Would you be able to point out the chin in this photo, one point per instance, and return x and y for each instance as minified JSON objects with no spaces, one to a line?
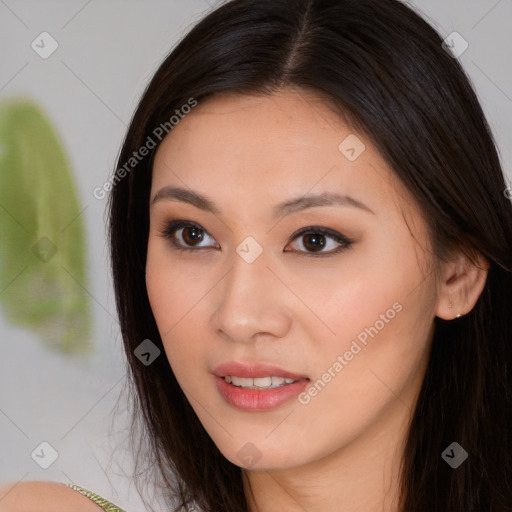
{"x":250,"y":455}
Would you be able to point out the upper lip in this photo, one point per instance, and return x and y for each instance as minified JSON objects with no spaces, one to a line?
{"x":253,"y":370}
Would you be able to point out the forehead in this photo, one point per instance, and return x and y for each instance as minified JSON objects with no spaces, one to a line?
{"x":297,"y":117}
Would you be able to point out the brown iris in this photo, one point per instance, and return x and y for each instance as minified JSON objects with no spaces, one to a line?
{"x":315,"y":241}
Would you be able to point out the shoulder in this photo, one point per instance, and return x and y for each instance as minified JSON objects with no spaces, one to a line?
{"x":43,"y":497}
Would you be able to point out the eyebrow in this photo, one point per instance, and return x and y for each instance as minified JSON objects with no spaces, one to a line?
{"x":184,"y":195}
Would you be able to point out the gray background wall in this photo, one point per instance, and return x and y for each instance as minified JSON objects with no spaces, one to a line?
{"x":89,"y":87}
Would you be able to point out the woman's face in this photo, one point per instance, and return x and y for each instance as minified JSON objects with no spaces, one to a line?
{"x":351,"y":322}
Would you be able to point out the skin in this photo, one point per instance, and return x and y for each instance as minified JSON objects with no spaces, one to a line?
{"x":340,"y":451}
{"x":36,"y":496}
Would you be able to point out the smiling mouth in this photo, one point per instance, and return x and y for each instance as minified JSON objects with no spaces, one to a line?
{"x":262,"y":393}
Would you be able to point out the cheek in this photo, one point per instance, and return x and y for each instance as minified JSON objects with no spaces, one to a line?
{"x":374,"y":314}
{"x":365,"y":290}
{"x":175,"y":294}
{"x":371,"y":365}
{"x":170,"y":287}
{"x":162,"y":289}
{"x":367,"y":324}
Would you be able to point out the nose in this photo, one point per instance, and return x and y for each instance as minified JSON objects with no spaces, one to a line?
{"x":251,"y":302}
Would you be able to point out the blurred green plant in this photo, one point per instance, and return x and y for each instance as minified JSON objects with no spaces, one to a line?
{"x":42,"y":237}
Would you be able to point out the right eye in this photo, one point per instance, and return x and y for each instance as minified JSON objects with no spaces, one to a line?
{"x":189,"y":232}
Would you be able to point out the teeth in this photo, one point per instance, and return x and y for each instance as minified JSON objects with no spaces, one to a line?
{"x":263,"y":382}
{"x":259,"y":382}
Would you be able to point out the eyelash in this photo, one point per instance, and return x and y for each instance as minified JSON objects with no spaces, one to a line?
{"x":173,"y":226}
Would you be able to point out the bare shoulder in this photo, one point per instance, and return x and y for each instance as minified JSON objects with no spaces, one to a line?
{"x":43,"y":497}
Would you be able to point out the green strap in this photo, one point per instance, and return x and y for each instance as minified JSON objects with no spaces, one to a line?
{"x":103,"y":503}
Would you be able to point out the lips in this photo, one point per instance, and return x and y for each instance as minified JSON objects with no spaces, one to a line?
{"x":259,"y":400}
{"x":237,"y":369}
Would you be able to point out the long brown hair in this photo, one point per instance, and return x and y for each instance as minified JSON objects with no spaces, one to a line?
{"x":385,"y":71}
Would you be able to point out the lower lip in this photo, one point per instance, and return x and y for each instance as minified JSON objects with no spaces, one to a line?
{"x":257,"y":400}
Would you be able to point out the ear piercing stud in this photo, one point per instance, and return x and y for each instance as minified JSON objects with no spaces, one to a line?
{"x":450,"y":305}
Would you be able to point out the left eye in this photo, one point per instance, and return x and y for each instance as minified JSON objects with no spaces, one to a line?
{"x":314,"y":238}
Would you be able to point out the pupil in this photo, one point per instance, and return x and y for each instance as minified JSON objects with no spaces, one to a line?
{"x":317,"y":240}
{"x":196,"y":236}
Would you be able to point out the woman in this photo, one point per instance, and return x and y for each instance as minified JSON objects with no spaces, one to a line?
{"x":311,"y":249}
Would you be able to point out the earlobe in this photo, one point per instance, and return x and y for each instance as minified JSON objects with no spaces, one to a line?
{"x":463,"y":284}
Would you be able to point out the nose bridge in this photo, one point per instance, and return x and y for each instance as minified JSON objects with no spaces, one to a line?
{"x":246,"y":276}
{"x":250,"y":302}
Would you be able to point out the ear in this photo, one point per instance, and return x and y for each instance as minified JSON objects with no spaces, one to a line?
{"x":462,"y":283}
